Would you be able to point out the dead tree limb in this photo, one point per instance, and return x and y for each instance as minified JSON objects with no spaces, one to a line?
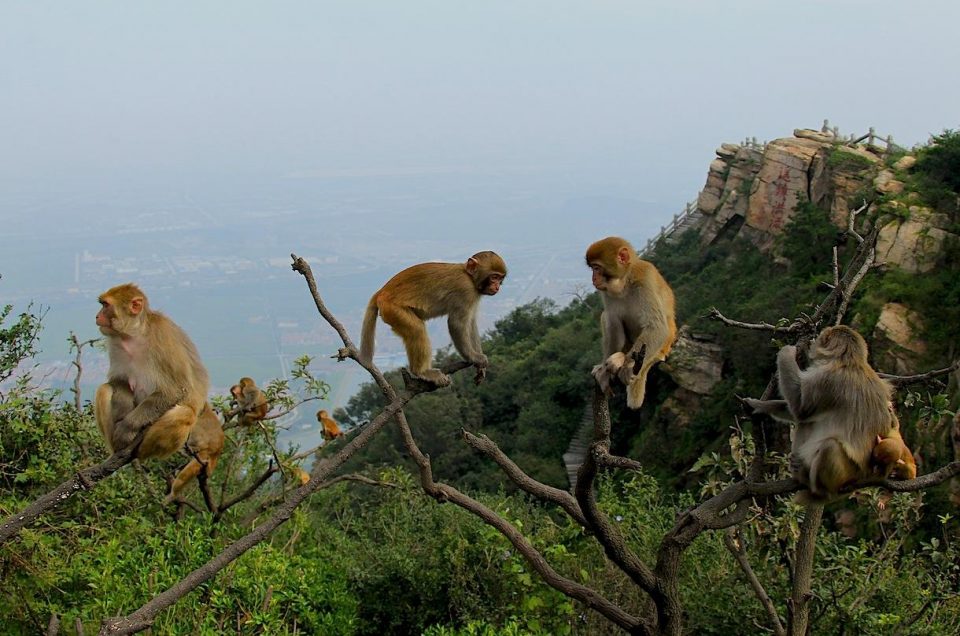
{"x":734,"y":543}
{"x":83,"y":480}
{"x":526,"y":483}
{"x":903,"y":380}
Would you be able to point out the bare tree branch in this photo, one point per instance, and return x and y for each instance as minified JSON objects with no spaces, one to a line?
{"x":75,"y":344}
{"x":446,"y":493}
{"x":903,"y":380}
{"x":526,"y":483}
{"x":715,"y":314}
{"x":83,"y":480}
{"x":734,"y":543}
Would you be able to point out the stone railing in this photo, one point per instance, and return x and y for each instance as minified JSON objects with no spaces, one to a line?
{"x":681,"y":221}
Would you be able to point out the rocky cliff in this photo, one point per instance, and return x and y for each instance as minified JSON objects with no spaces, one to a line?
{"x":753,"y":190}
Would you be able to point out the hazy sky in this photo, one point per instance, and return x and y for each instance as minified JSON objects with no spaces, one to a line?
{"x":629,"y":96}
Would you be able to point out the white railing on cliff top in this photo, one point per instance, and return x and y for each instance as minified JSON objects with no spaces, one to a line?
{"x":684,"y":219}
{"x":870,"y":137}
{"x":681,"y":221}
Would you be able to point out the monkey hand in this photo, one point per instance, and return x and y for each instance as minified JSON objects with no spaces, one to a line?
{"x":480,"y":376}
{"x":614,"y":362}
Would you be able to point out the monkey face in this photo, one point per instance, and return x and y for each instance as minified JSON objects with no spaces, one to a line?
{"x":105,"y":317}
{"x":609,"y":283}
{"x":491,"y":285}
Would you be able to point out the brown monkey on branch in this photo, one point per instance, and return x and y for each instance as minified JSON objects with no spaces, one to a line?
{"x":427,"y":291}
{"x":892,"y":458}
{"x":251,"y":401}
{"x":156,"y":380}
{"x":330,"y":430}
{"x":638,"y":316}
{"x":839,"y":405}
{"x":204,"y":443}
{"x":204,"y":446}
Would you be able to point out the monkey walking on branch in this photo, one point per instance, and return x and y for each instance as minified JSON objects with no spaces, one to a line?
{"x":430,"y":290}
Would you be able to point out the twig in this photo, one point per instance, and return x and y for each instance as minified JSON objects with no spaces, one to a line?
{"x":734,"y":543}
{"x":903,"y":380}
{"x":715,"y":314}
{"x":526,"y":483}
{"x":246,"y":494}
{"x":76,"y":344}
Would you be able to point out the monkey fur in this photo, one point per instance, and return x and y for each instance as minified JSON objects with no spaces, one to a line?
{"x":839,"y":405}
{"x":638,"y":316}
{"x":430,"y":290}
{"x":156,"y":380}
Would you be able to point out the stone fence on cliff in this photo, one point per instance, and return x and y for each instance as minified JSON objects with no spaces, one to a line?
{"x":690,"y":215}
{"x":681,"y":222}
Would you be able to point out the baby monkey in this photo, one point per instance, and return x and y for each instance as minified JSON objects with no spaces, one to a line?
{"x":430,"y":290}
{"x":892,"y":459}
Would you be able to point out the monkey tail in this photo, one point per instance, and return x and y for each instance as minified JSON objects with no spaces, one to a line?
{"x":367,"y":340}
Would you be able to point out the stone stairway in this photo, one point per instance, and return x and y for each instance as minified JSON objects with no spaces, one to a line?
{"x":579,"y":445}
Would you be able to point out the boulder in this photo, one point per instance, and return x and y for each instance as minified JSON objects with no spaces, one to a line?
{"x":694,"y":364}
{"x":886,"y":183}
{"x":895,"y":340}
{"x":912,"y":244}
{"x":816,"y":135}
{"x":905,"y":162}
{"x":781,"y":182}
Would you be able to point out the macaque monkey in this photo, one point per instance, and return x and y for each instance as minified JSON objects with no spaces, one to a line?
{"x":251,"y":401}
{"x":892,"y":459}
{"x":638,"y":316}
{"x":839,"y":405}
{"x":330,"y":430}
{"x":204,"y":446}
{"x":430,"y":290}
{"x":156,"y":380}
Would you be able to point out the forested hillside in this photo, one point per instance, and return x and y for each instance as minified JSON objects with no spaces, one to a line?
{"x":648,"y":543}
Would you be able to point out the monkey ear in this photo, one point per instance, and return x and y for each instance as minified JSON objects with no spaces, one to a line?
{"x":623,"y":256}
{"x":136,"y":305}
{"x":900,"y":461}
{"x":879,"y":439}
{"x":472,"y":265}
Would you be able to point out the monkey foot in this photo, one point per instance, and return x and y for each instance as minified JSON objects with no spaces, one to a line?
{"x":638,"y":357}
{"x":426,"y":383}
